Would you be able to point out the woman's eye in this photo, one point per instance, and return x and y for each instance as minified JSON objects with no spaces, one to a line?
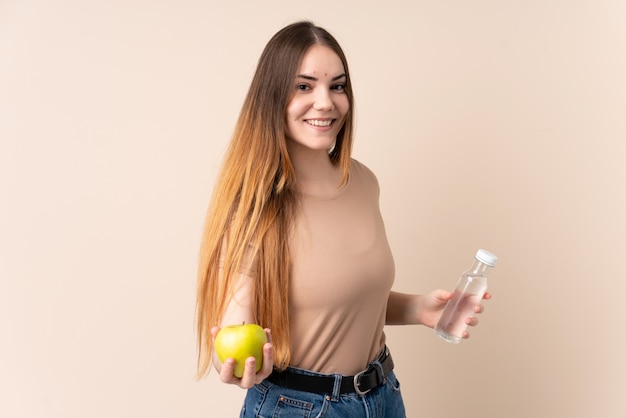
{"x":303,"y":87}
{"x":339,"y":87}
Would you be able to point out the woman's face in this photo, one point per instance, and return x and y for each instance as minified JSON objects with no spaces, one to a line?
{"x":319,"y":103}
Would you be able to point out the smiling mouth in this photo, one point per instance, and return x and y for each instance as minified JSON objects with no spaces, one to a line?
{"x":318,"y":122}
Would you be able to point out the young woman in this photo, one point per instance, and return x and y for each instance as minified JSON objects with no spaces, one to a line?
{"x":295,"y":242}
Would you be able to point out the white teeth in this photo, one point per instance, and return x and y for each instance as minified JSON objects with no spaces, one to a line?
{"x":316,"y":122}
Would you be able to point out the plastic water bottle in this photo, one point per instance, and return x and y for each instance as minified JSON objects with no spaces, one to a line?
{"x":468,"y":293}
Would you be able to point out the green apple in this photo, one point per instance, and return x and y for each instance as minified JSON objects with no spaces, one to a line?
{"x":240,"y":342}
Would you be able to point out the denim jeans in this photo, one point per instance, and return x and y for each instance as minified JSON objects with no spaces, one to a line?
{"x":267,"y":400}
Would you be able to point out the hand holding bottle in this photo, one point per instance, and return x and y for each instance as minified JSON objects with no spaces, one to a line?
{"x":432,"y":305}
{"x":465,"y":300}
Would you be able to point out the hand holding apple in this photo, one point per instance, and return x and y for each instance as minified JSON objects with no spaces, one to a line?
{"x":240,"y":342}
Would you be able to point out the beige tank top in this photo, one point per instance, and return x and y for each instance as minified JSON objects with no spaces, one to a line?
{"x":341,"y":274}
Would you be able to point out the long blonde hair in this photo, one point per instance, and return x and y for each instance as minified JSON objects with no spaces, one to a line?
{"x":255,"y":199}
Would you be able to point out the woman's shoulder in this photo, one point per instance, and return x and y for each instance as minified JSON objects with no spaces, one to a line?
{"x":359,"y":168}
{"x":361,"y":172}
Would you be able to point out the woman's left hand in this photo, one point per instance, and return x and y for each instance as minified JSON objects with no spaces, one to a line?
{"x":432,"y":304}
{"x":473,"y":321}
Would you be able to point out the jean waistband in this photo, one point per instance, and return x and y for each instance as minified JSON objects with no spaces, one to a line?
{"x":361,"y":383}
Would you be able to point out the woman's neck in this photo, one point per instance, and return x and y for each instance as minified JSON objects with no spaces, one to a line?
{"x":315,"y":173}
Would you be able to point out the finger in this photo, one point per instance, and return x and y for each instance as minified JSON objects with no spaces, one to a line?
{"x":268,"y":358}
{"x":268,"y":363}
{"x":479,"y":309}
{"x":465,"y":335}
{"x":249,"y":373}
{"x":472,"y":322}
{"x":214,"y":331}
{"x":487,"y":295}
{"x":228,"y":370}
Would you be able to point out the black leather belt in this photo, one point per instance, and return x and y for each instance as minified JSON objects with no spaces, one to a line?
{"x":360,"y":383}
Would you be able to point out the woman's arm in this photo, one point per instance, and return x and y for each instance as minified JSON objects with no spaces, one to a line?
{"x":402,"y":309}
{"x":408,"y":309}
{"x":238,"y":311}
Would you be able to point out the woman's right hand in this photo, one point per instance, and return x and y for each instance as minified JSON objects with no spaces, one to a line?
{"x":250,"y":376}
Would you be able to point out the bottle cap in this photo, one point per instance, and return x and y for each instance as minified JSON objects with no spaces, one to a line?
{"x":486,"y":257}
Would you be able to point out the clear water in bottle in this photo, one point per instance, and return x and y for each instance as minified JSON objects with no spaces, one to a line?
{"x":452,"y":322}
{"x":468,"y":293}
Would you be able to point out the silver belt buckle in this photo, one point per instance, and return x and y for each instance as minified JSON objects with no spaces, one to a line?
{"x":377,"y":365}
{"x":356,"y":383}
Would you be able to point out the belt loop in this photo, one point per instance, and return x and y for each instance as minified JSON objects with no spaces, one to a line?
{"x":380,"y":372}
{"x":336,"y":388}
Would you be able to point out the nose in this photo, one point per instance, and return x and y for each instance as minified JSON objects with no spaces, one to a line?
{"x":323,"y":100}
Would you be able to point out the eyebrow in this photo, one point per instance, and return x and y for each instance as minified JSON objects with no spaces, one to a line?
{"x":310,"y":77}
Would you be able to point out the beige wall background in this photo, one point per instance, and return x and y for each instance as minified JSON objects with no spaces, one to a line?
{"x":490,"y":123}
